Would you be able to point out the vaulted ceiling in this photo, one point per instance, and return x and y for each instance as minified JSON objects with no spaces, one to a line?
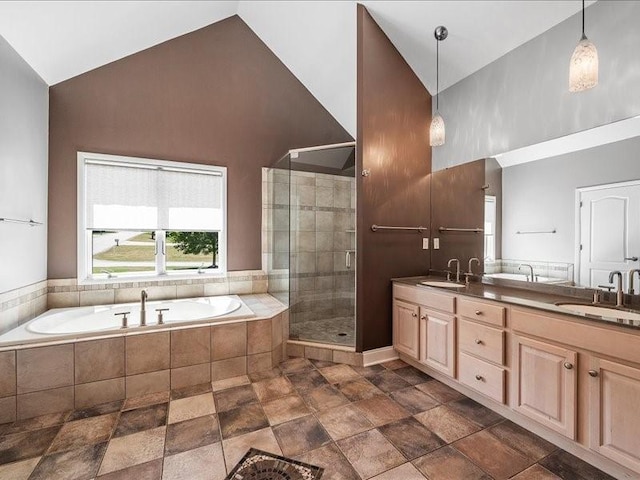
{"x":316,"y":40}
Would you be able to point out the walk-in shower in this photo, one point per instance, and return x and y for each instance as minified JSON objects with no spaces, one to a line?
{"x":310,"y":199}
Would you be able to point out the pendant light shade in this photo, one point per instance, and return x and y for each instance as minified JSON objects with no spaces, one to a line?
{"x":437,"y":129}
{"x":583,"y":69}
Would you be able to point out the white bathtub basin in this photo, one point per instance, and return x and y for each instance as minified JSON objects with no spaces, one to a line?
{"x":522,"y":278}
{"x":102,"y":318}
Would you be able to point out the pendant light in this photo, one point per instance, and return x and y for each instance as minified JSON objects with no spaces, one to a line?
{"x":583,"y":70}
{"x":437,"y":131}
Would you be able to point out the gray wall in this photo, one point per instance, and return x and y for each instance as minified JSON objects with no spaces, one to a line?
{"x":523,"y":97}
{"x":541,"y":195}
{"x":24,"y":135}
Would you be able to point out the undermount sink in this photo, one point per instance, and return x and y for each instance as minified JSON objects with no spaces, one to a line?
{"x":600,"y":311}
{"x":435,"y":283}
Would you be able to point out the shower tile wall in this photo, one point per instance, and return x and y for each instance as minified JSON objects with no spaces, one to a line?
{"x":275,"y":231}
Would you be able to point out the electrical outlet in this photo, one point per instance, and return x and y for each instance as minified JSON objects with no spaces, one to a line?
{"x":436,"y":244}
{"x":425,"y":243}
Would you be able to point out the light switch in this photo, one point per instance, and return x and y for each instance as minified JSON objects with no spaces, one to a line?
{"x":425,"y":243}
{"x":436,"y":244}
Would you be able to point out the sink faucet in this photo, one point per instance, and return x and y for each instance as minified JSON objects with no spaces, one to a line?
{"x":469,"y":273}
{"x":457,"y":267}
{"x":619,"y":293}
{"x":143,"y":308}
{"x":632,"y":272}
{"x":530,"y":270}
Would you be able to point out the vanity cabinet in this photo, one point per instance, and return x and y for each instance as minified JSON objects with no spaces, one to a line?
{"x":614,"y":425}
{"x":437,"y":340}
{"x":545,"y":379}
{"x":406,"y":328}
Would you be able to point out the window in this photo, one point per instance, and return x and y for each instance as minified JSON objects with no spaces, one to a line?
{"x":489,"y":228}
{"x":139,"y":217}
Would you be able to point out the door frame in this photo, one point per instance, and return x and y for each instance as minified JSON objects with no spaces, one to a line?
{"x":578,"y":224}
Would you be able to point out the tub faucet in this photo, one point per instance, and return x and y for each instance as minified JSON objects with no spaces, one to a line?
{"x":457,"y":267}
{"x":632,"y":272}
{"x":143,"y":308}
{"x":619,"y":293}
{"x":530,"y":269}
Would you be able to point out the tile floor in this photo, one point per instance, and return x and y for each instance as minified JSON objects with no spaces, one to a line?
{"x":387,"y":422}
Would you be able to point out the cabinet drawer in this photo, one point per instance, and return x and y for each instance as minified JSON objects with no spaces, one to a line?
{"x":481,"y":311}
{"x":425,"y":296}
{"x":481,"y":376}
{"x":482,"y":341}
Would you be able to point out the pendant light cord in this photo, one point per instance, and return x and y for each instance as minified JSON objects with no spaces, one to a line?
{"x":438,"y":73}
{"x":583,"y":35}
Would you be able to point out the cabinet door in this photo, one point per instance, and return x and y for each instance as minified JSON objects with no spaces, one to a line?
{"x":614,"y":396}
{"x":437,"y":341}
{"x":545,"y":384}
{"x":405,"y":328}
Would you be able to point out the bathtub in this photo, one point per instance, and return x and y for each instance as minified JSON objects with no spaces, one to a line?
{"x":100,"y":320}
{"x":523,"y":278}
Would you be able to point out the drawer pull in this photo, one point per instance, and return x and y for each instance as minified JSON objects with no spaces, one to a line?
{"x":568,"y":365}
{"x":478,"y":341}
{"x":479,"y":378}
{"x":423,"y":317}
{"x":593,"y":373}
{"x":478,"y":312}
{"x":414,"y":315}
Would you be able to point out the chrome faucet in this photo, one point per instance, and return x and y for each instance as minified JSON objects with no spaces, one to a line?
{"x":469,"y":273}
{"x":457,"y":268}
{"x":631,"y":275}
{"x":143,"y":308}
{"x":530,"y":270}
{"x":619,"y":293}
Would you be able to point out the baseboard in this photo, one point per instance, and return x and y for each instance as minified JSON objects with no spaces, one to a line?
{"x":379,"y":355}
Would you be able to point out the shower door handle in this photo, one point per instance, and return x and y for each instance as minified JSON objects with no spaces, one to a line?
{"x":347,"y":258}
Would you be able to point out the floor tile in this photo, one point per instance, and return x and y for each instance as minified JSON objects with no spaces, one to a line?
{"x":446,"y":423}
{"x":387,"y":381}
{"x":301,"y":435}
{"x":494,"y":457}
{"x":447,"y":463}
{"x":394,"y":364}
{"x":295,"y":365}
{"x":98,"y":410}
{"x":284,"y":409}
{"x":144,"y":418}
{"x":412,"y":375}
{"x":307,"y":380}
{"x":130,"y":450}
{"x":273,"y":388}
{"x":264,"y":375}
{"x":18,"y":470}
{"x":527,"y":443}
{"x":19,"y":446}
{"x":220,"y":385}
{"x":241,"y":420}
{"x":145,"y":471}
{"x":370,"y":453}
{"x":80,"y":464}
{"x":411,"y":438}
{"x":438,"y":390}
{"x":370,"y":370}
{"x":37,"y":423}
{"x":323,"y":398}
{"x":335,"y":464}
{"x":191,"y":407}
{"x":414,"y":400}
{"x":191,"y":434}
{"x":322,"y":363}
{"x":146,"y":400}
{"x":381,"y":410}
{"x":536,"y":472}
{"x":235,"y":397}
{"x":85,"y":432}
{"x":204,"y":463}
{"x":405,"y":472}
{"x":475,"y":412}
{"x":569,"y":467}
{"x":236,"y":447}
{"x":345,"y":421}
{"x":360,"y":389}
{"x":191,"y":391}
{"x":339,"y":373}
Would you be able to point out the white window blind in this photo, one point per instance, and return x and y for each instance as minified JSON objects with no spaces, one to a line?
{"x":145,"y":197}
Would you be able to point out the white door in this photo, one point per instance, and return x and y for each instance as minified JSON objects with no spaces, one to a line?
{"x":609,"y":232}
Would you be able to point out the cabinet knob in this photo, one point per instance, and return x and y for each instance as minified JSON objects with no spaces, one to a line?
{"x":423,"y":317}
{"x":593,"y":373}
{"x":414,"y":315}
{"x":479,"y":378}
{"x":478,"y":312}
{"x":478,"y":341}
{"x":568,"y":365}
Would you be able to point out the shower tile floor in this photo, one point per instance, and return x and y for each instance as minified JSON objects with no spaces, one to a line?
{"x":336,"y":331}
{"x":385,"y":422}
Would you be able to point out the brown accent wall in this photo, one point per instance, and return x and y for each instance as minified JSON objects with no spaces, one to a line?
{"x":394,"y":112}
{"x":457,"y":201}
{"x":216,"y":96}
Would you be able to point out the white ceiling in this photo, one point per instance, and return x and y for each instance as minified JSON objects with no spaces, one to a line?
{"x":316,"y":40}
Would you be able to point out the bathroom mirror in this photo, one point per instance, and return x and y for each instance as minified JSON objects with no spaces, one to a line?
{"x":568,"y":210}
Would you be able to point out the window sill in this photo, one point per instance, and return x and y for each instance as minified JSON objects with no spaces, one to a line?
{"x":151,"y":278}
